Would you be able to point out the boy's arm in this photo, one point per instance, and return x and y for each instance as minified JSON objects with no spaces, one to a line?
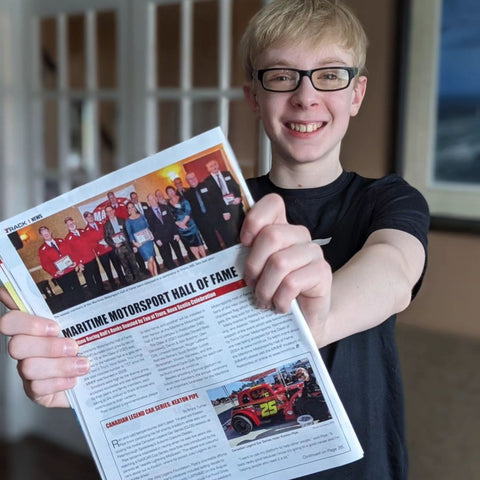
{"x":376,"y":283}
{"x":47,"y":364}
{"x":285,"y":264}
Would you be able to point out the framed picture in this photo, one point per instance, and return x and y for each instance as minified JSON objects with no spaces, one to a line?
{"x":440,"y":151}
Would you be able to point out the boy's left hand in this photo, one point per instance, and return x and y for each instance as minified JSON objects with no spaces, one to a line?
{"x":284,"y":263}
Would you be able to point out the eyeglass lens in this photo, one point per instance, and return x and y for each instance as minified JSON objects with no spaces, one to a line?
{"x":281,"y":80}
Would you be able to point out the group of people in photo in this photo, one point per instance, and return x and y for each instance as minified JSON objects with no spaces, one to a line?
{"x":138,"y":238}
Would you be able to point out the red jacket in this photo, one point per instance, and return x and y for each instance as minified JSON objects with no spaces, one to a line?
{"x":121,"y":210}
{"x":81,"y":247}
{"x":48,"y":255}
{"x":99,"y":245}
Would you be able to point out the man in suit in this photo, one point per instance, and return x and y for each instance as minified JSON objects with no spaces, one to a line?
{"x":164,"y":230}
{"x":116,"y":236}
{"x":141,"y":207}
{"x":226,"y":199}
{"x":57,"y":260}
{"x":180,"y":188}
{"x":84,"y":256}
{"x":197,"y":195}
{"x":104,"y":252}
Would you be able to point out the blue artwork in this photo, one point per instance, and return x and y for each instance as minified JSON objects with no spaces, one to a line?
{"x":458,"y":122}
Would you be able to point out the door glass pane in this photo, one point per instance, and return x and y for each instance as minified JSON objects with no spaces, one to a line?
{"x":48,"y":53}
{"x":52,"y":188}
{"x":50,"y":134}
{"x":205,"y":44}
{"x":168,"y":124}
{"x":76,"y":59}
{"x":107,"y":124}
{"x":243,"y":136}
{"x":106,"y":49}
{"x":168,"y":45}
{"x":204,"y":116}
{"x":74,"y":158}
{"x":243,"y":10}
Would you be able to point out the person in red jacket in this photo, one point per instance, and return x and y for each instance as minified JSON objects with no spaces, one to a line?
{"x":103,"y":250}
{"x":118,"y":205}
{"x":84,"y":255}
{"x":57,"y":260}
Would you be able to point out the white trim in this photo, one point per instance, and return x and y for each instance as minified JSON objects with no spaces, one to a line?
{"x":197,"y":94}
{"x":151,"y":123}
{"x":124,"y":84}
{"x":90,"y":44}
{"x":186,"y":69}
{"x":62,"y":49}
{"x":265,"y":153}
{"x":90,"y":124}
{"x":142,"y":29}
{"x":225,"y":35}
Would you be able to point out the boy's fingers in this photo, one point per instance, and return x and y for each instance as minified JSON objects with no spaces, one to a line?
{"x":268,"y":210}
{"x":6,"y":299}
{"x":269,"y":245}
{"x":314,"y":281}
{"x":289,"y":272}
{"x":25,"y":346}
{"x":20,"y":323}
{"x":36,"y":369}
{"x":51,"y":392}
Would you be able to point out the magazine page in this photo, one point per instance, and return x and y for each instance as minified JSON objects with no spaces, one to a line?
{"x":188,"y":379}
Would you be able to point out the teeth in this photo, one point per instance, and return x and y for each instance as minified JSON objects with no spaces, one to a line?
{"x":305,"y":128}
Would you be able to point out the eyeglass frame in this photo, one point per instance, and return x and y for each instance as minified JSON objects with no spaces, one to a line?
{"x":352,"y":73}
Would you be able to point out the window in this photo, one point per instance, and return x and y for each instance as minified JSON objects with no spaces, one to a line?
{"x":116,"y":80}
{"x":75,"y":97}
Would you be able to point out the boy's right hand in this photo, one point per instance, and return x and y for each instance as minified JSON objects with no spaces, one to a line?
{"x":47,"y":364}
{"x":285,"y":264}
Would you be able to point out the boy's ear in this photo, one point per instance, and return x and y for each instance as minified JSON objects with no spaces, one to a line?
{"x":358,"y":94}
{"x":251,"y":98}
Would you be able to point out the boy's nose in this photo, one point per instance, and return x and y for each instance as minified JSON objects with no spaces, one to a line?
{"x":305,"y":95}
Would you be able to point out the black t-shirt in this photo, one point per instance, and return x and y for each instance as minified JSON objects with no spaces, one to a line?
{"x":364,"y":367}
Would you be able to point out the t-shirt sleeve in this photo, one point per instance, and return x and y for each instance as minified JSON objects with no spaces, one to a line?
{"x":400,"y":206}
{"x":258,"y":187}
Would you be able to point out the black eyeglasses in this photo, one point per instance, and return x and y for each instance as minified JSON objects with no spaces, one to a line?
{"x":325,"y":79}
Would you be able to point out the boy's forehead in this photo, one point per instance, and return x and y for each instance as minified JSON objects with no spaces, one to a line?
{"x":305,"y":55}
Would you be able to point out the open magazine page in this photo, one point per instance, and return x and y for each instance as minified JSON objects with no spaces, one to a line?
{"x":188,"y":379}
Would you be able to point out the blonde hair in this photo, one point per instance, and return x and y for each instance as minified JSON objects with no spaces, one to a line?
{"x":283,"y":22}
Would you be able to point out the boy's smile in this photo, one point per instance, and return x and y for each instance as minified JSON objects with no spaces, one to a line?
{"x":306,"y":126}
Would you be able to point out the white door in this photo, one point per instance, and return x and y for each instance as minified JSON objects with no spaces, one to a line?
{"x":188,"y":77}
{"x":110,"y":81}
{"x":77,"y":65}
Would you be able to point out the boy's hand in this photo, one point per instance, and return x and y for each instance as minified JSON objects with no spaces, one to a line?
{"x":284,"y":263}
{"x":47,"y":364}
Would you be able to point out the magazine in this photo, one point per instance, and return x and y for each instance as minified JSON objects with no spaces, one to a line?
{"x":188,"y":379}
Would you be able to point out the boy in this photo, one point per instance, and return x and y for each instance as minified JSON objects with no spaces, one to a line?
{"x":304,"y":61}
